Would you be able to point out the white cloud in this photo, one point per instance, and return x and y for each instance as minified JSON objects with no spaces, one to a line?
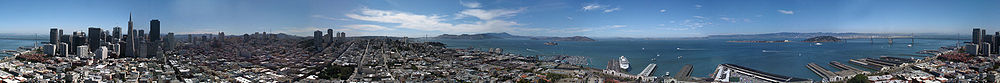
{"x":617,"y":26}
{"x":569,"y":18}
{"x":786,"y":12}
{"x":470,"y":4}
{"x":727,"y":19}
{"x":328,"y":18}
{"x":367,"y":27}
{"x":697,"y":6}
{"x":432,"y":22}
{"x":698,"y":16}
{"x":490,"y":14}
{"x":592,"y":6}
{"x":611,"y":10}
{"x":663,"y":10}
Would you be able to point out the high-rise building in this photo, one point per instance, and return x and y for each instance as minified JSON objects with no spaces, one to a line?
{"x":101,"y":53}
{"x":130,"y":41}
{"x":116,"y":33}
{"x":82,"y":51}
{"x":976,"y":35}
{"x":54,"y":36}
{"x":971,"y":49}
{"x":94,"y":38}
{"x":49,"y":49}
{"x":169,"y":42}
{"x":329,"y":35}
{"x":318,"y":40}
{"x":995,"y":43}
{"x":79,"y":39}
{"x":154,"y":38}
{"x":154,"y":30}
{"x":63,"y":49}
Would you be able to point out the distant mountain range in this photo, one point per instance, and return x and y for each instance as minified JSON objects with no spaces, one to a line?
{"x":505,"y":35}
{"x":805,"y":35}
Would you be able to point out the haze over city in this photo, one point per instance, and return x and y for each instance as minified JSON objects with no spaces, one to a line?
{"x":599,"y":18}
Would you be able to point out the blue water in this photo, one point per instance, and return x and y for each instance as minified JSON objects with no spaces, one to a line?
{"x":787,"y":59}
{"x":7,"y":44}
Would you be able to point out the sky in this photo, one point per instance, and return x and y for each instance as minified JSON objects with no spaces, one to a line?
{"x":422,"y":18}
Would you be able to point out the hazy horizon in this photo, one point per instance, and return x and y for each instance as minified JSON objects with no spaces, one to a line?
{"x":638,"y":19}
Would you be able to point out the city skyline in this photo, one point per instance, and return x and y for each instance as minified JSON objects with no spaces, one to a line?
{"x":544,"y":18}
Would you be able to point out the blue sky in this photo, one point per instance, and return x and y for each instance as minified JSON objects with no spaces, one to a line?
{"x":596,"y":18}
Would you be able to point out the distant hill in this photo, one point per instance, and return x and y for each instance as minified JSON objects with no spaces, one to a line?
{"x":802,"y":35}
{"x":505,"y":35}
{"x":822,"y":39}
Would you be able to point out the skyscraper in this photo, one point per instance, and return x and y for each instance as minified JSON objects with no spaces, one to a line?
{"x":976,"y":36}
{"x":318,"y":40}
{"x":79,"y":39}
{"x":116,"y":33}
{"x":154,"y":30}
{"x":154,"y":38}
{"x":329,"y":35}
{"x":129,"y":48}
{"x":169,"y":42}
{"x":94,"y":38}
{"x":54,"y":36}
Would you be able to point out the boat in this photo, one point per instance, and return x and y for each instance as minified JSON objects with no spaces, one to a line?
{"x":551,"y":43}
{"x":909,"y":45}
{"x":819,"y":44}
{"x":623,"y":63}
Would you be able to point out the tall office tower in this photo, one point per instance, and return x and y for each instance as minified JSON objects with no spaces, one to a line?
{"x":996,"y":43}
{"x":54,"y":36}
{"x":190,"y":38}
{"x":130,"y":42}
{"x":169,"y":42}
{"x":94,"y":38}
{"x":79,"y":39}
{"x":154,"y":38}
{"x":976,"y":37}
{"x":106,"y":36}
{"x":141,"y":37}
{"x":222,"y":35}
{"x":117,"y":33}
{"x":125,"y":50}
{"x":63,"y":49}
{"x":329,"y":35}
{"x":318,"y":40}
{"x":154,"y":30}
{"x":141,"y":43}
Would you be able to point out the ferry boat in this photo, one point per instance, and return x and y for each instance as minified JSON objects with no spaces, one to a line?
{"x":623,"y":63}
{"x":551,"y":43}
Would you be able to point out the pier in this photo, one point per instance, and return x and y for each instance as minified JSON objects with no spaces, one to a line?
{"x":820,"y":71}
{"x":867,"y":64}
{"x":685,"y":71}
{"x":843,"y":67}
{"x":648,"y":70}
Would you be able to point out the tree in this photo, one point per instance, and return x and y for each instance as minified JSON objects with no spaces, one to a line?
{"x":858,"y":79}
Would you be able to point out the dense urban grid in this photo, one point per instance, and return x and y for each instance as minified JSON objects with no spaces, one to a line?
{"x":102,"y":56}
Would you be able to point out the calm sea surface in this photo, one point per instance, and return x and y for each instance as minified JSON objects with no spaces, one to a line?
{"x":788,"y":59}
{"x":7,"y":44}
